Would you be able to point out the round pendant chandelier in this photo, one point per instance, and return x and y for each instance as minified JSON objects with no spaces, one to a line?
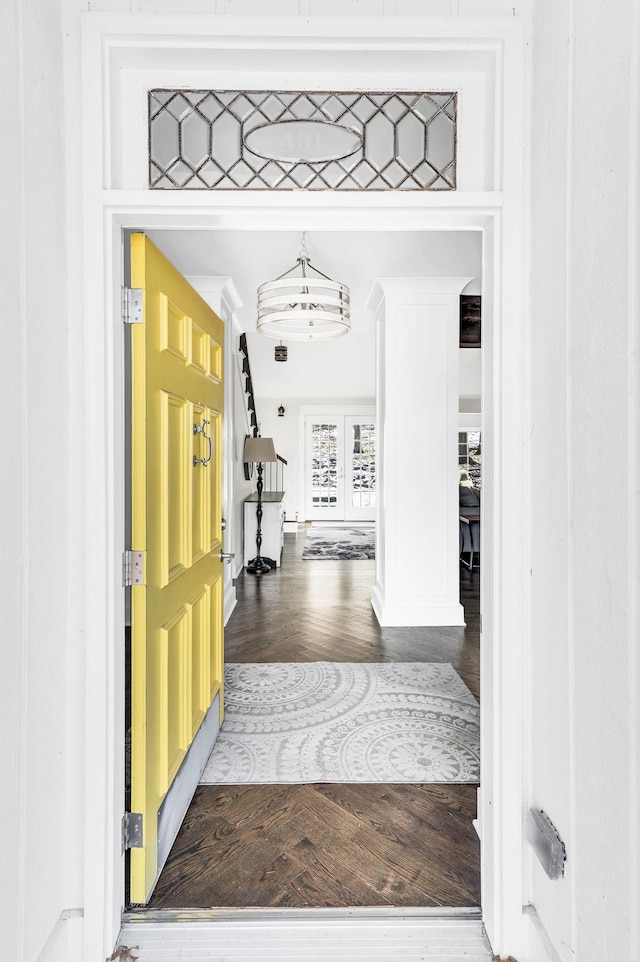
{"x":304,"y":306}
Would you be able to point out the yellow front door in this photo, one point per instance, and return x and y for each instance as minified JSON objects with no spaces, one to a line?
{"x":176,"y":615}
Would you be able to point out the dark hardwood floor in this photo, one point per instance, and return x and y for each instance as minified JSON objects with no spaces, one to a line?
{"x":329,"y":845}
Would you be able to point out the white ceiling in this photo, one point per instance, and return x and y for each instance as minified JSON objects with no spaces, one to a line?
{"x":342,"y":367}
{"x":355,"y":258}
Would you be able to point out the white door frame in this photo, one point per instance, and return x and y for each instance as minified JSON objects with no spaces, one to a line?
{"x":330,"y":412}
{"x":110,"y":42}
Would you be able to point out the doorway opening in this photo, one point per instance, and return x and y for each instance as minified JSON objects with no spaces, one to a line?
{"x":123,"y":58}
{"x":330,"y":845}
{"x":321,"y":598}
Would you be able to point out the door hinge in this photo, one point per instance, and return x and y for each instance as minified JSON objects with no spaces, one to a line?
{"x":132,"y":568}
{"x":131,"y":830}
{"x":132,"y":305}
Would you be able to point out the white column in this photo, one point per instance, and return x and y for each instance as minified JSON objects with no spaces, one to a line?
{"x":417,"y":551}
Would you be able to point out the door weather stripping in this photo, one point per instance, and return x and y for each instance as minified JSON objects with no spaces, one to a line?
{"x":132,"y":568}
{"x":131,"y":830}
{"x":132,"y":305}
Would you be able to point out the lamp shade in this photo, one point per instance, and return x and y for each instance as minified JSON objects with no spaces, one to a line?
{"x":259,"y":450}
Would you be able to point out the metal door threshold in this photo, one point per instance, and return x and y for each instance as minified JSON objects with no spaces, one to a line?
{"x":182,"y":916}
{"x":317,"y":935}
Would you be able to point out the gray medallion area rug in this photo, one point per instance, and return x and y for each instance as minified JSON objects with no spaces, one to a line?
{"x":340,"y":544}
{"x":333,"y":722}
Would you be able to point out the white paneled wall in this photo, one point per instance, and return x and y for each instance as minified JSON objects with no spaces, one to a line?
{"x":584,"y":484}
{"x":347,"y":8}
{"x":323,"y":8}
{"x":41,"y":690}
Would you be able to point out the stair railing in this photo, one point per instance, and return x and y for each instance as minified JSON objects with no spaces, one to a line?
{"x":273,"y":472}
{"x":250,"y":402}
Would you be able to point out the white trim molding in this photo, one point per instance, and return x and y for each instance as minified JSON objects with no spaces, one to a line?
{"x":121,"y":50}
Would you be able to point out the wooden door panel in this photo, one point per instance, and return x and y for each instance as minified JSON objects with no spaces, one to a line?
{"x":175,"y":445}
{"x":199,"y":349}
{"x":173,"y":696}
{"x":216,"y":650}
{"x":200,"y":668}
{"x":177,"y":636}
{"x":214,"y":367}
{"x":173,"y":328}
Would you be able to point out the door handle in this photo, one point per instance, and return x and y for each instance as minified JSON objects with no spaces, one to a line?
{"x":227,"y":556}
{"x":200,"y":429}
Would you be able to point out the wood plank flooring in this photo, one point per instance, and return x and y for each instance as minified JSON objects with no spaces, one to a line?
{"x":329,"y":845}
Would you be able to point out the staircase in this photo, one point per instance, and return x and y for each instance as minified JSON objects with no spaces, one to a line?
{"x":273,"y":473}
{"x":250,"y":402}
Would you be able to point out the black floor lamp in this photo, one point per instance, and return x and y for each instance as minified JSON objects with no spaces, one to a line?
{"x":257,"y":451}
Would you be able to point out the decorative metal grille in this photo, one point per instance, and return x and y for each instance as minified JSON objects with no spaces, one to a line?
{"x":198,"y":140}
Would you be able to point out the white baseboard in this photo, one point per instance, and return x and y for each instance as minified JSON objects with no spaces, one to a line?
{"x":230,"y":600}
{"x":290,"y":527}
{"x":415,"y":615}
{"x":477,"y":820}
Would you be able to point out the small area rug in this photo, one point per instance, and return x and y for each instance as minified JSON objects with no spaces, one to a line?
{"x":340,"y":543}
{"x":340,"y":722}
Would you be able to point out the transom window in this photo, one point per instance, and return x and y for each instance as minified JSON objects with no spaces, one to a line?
{"x":302,"y":140}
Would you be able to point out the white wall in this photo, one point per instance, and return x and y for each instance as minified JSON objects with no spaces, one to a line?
{"x":40,"y":693}
{"x":341,"y":367}
{"x":43,"y":751}
{"x":584,"y":485}
{"x":288,"y":435}
{"x":583,"y":445}
{"x":344,"y":367}
{"x":469,"y":372}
